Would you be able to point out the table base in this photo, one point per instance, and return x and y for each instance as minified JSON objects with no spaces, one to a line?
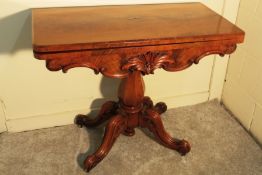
{"x":133,"y":110}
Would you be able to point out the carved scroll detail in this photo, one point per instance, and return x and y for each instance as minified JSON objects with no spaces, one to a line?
{"x":230,"y":49}
{"x":147,"y":62}
{"x":62,"y":64}
{"x":153,"y":122}
{"x":114,"y":128}
{"x":184,"y":58}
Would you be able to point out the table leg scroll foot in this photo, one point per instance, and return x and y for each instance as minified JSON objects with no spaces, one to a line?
{"x":147,"y":102}
{"x":115,"y":126}
{"x":153,"y":122}
{"x":160,"y":107}
{"x":107,"y":110}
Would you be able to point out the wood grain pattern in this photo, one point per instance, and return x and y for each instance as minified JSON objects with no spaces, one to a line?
{"x":82,"y":28}
{"x":115,"y":63}
{"x":134,"y":110}
{"x":128,"y":42}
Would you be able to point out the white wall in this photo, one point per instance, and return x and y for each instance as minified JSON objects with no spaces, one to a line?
{"x":243,"y":88}
{"x":34,"y":97}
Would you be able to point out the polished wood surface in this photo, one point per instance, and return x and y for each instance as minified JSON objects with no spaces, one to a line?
{"x":128,"y":42}
{"x":81,"y":28}
{"x":118,"y":63}
{"x":131,"y":111}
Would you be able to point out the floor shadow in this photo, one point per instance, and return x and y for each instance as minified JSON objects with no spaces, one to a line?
{"x":149,"y":134}
{"x":16,"y":32}
{"x":95,"y":140}
{"x":108,"y":88}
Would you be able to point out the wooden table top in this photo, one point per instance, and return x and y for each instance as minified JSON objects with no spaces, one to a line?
{"x":84,"y":28}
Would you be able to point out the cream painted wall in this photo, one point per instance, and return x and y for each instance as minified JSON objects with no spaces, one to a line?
{"x":230,"y":10}
{"x":243,"y":88}
{"x":34,"y":97}
{"x":2,"y":118}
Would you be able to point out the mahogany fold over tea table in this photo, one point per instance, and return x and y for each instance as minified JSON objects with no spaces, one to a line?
{"x":128,"y":42}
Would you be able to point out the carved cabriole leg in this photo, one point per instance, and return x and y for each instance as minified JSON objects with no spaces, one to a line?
{"x":107,"y":110}
{"x":115,"y":126}
{"x":132,"y":110}
{"x":152,"y":121}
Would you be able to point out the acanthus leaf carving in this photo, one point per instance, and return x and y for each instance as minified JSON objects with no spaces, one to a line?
{"x":147,"y":62}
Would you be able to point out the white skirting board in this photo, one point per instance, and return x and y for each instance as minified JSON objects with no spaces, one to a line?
{"x":67,"y":117}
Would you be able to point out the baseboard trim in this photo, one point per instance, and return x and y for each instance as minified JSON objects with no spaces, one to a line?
{"x":66,"y":118}
{"x":184,"y":100}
